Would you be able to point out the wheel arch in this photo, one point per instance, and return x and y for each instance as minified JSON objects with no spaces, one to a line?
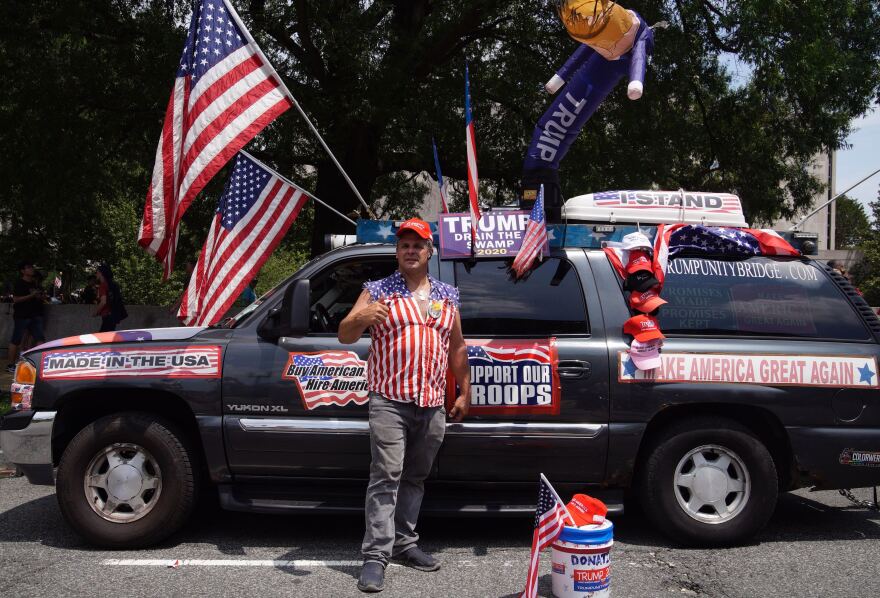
{"x":762,"y":422}
{"x":79,"y":408}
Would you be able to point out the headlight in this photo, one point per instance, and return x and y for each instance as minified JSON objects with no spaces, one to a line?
{"x":23,"y":385}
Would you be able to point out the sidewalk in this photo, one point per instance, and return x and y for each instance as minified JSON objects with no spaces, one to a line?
{"x":6,"y":470}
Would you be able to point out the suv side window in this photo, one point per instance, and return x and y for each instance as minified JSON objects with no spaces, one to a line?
{"x":336,"y":288}
{"x":761,"y":296}
{"x":549,"y":301}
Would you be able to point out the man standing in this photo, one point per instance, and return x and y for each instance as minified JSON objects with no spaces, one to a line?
{"x":415,"y":330}
{"x":27,"y":311}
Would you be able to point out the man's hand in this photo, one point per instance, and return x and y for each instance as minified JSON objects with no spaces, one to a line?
{"x":460,"y":408}
{"x":373,"y":314}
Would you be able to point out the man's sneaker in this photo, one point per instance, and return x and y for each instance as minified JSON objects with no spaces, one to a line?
{"x":416,"y":558}
{"x":10,"y":368}
{"x":372,"y":577}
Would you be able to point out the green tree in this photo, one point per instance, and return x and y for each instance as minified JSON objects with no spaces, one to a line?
{"x":852,"y":224}
{"x":88,"y":81}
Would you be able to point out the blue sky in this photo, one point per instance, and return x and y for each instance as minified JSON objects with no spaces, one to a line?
{"x":861,"y":159}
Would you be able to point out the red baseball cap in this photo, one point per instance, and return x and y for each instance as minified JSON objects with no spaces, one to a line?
{"x":586,"y":510}
{"x":642,"y":328}
{"x":639,"y":260}
{"x":646,"y":302}
{"x":416,"y":225}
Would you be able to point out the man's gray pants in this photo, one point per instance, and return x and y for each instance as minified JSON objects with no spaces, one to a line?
{"x":404,"y":439}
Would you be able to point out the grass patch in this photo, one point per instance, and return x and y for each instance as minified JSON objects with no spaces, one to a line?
{"x":5,"y":403}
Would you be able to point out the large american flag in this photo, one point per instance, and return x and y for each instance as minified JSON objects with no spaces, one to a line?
{"x":255,"y":211}
{"x":472,"y":176}
{"x":535,"y":241}
{"x":225,"y":93}
{"x":719,"y":240}
{"x":550,"y":516}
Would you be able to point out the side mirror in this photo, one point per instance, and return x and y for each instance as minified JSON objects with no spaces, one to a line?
{"x":295,"y":309}
{"x":292,"y":318}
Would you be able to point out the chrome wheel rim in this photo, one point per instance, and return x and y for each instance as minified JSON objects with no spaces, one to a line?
{"x":712,"y":484}
{"x":123,"y":483}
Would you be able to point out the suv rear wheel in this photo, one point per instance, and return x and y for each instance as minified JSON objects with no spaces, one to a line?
{"x":127,"y":480}
{"x":708,"y":481}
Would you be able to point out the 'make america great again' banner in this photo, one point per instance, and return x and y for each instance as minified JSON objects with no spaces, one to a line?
{"x":839,"y":371}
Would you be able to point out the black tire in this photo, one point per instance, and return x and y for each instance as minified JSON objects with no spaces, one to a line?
{"x":659,"y":493}
{"x":178,"y":476}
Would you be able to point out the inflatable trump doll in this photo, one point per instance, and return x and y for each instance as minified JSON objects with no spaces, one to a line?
{"x":614,"y":43}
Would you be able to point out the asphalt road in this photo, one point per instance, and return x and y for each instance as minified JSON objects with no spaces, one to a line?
{"x":816,"y":545}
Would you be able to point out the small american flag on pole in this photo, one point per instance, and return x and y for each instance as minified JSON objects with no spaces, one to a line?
{"x":255,"y":211}
{"x":224,"y":94}
{"x":535,"y":241}
{"x":440,"y":184}
{"x":550,"y":516}
{"x":472,"y":176}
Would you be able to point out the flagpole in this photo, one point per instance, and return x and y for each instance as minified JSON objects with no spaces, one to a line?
{"x":289,"y":182}
{"x":302,"y":113}
{"x":553,"y":490}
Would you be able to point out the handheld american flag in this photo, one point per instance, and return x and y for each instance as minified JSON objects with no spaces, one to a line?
{"x":535,"y":241}
{"x":255,"y":211}
{"x":472,"y":176}
{"x":550,"y":516}
{"x":224,"y":94}
{"x":440,"y":184}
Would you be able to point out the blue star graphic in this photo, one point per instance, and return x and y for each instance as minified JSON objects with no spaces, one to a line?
{"x":629,"y":368}
{"x":865,"y":374}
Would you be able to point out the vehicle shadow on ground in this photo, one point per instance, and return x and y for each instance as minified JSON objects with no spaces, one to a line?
{"x":338,"y":537}
{"x":796,"y":519}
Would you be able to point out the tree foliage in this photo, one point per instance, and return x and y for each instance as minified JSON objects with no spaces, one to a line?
{"x":88,"y":80}
{"x":852,"y":226}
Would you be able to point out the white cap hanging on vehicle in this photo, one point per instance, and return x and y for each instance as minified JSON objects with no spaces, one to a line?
{"x":656,"y":207}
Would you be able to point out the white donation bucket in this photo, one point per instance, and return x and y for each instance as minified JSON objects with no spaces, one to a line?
{"x":582,"y":561}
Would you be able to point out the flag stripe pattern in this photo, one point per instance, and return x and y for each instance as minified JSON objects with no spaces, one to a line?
{"x":410,"y":349}
{"x":549,"y":520}
{"x":224,"y":94}
{"x":471,"y":143}
{"x":535,"y":240}
{"x":255,"y":211}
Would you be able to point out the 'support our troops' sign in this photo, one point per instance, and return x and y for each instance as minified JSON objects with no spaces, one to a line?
{"x":160,"y":362}
{"x":511,"y":376}
{"x":499,"y":234}
{"x":839,"y":371}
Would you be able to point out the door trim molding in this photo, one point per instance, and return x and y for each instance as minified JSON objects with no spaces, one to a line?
{"x":305,"y":425}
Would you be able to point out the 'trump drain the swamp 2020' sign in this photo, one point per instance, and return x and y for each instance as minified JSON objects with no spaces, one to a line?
{"x":511,"y":376}
{"x":328,"y":378}
{"x":157,"y":362}
{"x":499,"y":234}
{"x":838,"y":371}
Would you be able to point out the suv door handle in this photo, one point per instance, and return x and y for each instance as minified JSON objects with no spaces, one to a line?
{"x":573,"y":369}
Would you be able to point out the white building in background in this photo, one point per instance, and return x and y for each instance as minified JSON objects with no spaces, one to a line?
{"x":822,"y":222}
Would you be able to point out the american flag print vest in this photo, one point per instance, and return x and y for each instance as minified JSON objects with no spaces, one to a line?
{"x":410,"y":350}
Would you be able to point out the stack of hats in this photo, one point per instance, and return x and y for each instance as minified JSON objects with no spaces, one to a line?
{"x":644,"y":300}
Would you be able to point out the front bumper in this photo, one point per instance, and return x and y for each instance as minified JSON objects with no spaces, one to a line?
{"x":30,"y":447}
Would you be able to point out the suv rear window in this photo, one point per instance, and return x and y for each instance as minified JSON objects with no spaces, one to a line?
{"x":548,"y":302}
{"x":761,"y":296}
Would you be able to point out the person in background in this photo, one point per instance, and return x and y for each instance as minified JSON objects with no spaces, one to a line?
{"x":27,"y":311}
{"x":111,"y":307}
{"x":90,"y":292}
{"x":248,"y":295}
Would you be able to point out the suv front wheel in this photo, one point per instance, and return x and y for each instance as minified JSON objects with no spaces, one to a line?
{"x":708,"y":481}
{"x":127,"y":480}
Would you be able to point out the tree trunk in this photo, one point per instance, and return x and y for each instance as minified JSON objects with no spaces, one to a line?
{"x":358,"y":152}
